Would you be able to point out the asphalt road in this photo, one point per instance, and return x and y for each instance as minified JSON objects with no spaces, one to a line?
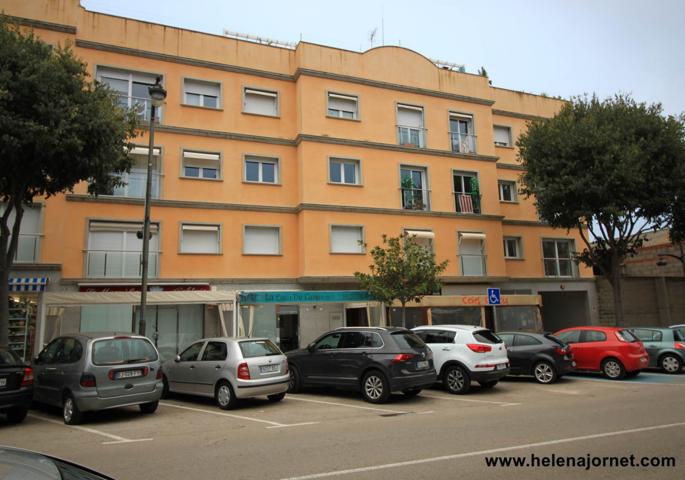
{"x":329,"y":434}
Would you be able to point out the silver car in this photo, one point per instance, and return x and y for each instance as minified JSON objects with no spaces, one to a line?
{"x":229,"y":369}
{"x":96,"y":371}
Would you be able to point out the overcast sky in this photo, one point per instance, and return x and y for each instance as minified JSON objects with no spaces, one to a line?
{"x":557,"y":47}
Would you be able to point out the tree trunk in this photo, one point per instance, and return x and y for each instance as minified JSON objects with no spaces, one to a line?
{"x":9,"y":240}
{"x":617,"y":288}
{"x":404,"y":315}
{"x":4,"y":301}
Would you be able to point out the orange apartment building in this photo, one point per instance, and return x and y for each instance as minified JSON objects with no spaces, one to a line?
{"x":271,"y":164}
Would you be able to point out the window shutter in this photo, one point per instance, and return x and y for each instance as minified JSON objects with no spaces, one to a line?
{"x":200,"y":239}
{"x":261,"y":102}
{"x":409,"y":116}
{"x":346,"y":239}
{"x":502,"y":136}
{"x":340,"y":102}
{"x":201,"y":88}
{"x":262,"y":240}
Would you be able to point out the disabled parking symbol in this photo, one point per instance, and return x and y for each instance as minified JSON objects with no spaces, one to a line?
{"x":493,"y":296}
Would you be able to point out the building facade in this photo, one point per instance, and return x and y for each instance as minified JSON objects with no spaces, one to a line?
{"x":273,"y":168}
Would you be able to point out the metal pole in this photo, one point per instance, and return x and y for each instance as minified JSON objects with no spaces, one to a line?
{"x":146,"y":223}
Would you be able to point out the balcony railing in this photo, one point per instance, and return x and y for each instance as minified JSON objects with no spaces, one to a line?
{"x":119,"y":263}
{"x":27,"y":248}
{"x":467,"y":203}
{"x":135,"y":185}
{"x":463,"y":142}
{"x":473,"y":265}
{"x":415,"y":199}
{"x":140,"y":105}
{"x":411,"y":136}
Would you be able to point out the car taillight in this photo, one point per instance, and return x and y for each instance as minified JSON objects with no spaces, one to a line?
{"x":27,"y":379}
{"x":429,"y":354}
{"x":679,"y":346}
{"x":479,"y":348}
{"x":87,"y":380}
{"x":402,"y":357}
{"x":243,"y":371}
{"x":561,"y":351}
{"x":285,"y":367}
{"x":160,"y":373}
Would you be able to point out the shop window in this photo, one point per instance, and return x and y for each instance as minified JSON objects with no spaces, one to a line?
{"x":106,"y":318}
{"x":455,"y":315}
{"x":520,"y":318}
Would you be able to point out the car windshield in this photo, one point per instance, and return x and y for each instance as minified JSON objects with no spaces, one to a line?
{"x":258,"y":348}
{"x":123,"y":350}
{"x":407,"y":340}
{"x":628,"y":336}
{"x":486,"y":336}
{"x":8,"y":357}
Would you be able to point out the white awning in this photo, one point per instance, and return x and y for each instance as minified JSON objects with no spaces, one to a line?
{"x":471,"y":236}
{"x":153,"y":298}
{"x":144,"y":151}
{"x":420,"y":234}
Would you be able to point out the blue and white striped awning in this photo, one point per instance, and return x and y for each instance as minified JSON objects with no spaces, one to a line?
{"x":27,"y":284}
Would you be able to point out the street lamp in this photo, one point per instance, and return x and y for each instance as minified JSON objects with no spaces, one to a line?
{"x":157,"y":96}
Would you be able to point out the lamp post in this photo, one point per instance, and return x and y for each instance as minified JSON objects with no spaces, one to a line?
{"x":157,"y":96}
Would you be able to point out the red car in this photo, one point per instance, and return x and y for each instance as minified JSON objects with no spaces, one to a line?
{"x":614,"y":351}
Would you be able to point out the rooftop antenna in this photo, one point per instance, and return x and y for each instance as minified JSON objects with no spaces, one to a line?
{"x":372,"y":35}
{"x":260,"y":40}
{"x":382,"y":26}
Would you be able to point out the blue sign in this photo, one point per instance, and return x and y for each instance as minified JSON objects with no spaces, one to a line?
{"x":493,"y":296}
{"x":337,"y":296}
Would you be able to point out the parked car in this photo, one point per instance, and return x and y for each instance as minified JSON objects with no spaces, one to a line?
{"x":96,"y":371}
{"x":543,"y":356}
{"x":228,"y":369}
{"x":614,"y":351}
{"x":665,"y":346}
{"x":16,"y":386}
{"x":464,"y":353}
{"x":680,"y":328}
{"x":16,"y":463}
{"x":375,"y":360}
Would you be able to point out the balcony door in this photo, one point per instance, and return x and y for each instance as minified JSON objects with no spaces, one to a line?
{"x":471,"y":254}
{"x":115,"y":251}
{"x":414,"y":189}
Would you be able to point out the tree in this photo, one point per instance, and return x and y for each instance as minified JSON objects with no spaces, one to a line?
{"x":613,"y":170}
{"x":402,"y":270}
{"x":56,"y":129}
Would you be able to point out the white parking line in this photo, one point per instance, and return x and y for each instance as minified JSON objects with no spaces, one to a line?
{"x":294,"y":425}
{"x":116,"y":439}
{"x":223,"y":414}
{"x":384,"y":410}
{"x":337,"y":473}
{"x":459,"y":399}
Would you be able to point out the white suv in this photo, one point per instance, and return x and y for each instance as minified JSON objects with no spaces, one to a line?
{"x":462,"y":353}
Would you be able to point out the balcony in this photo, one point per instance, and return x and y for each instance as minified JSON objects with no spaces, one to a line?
{"x":467,"y":203}
{"x":473,"y":265}
{"x":415,"y":199}
{"x":411,"y":136}
{"x":463,"y":142}
{"x":140,"y":105}
{"x":27,"y":248}
{"x":135,"y":183}
{"x":119,"y":264}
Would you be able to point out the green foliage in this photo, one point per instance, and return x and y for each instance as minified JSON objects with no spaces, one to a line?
{"x":402,"y":270}
{"x":482,"y":72}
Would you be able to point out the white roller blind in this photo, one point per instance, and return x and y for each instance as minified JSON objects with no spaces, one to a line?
{"x":346,"y":239}
{"x":30,"y":221}
{"x":120,"y":227}
{"x":471,"y":236}
{"x":502,"y":135}
{"x":261,"y":102}
{"x":200,"y":155}
{"x":471,"y":247}
{"x":200,"y":239}
{"x":340,"y":102}
{"x":262,"y":240}
{"x":201,"y":88}
{"x":420,"y":234}
{"x":408,"y":116}
{"x":156,"y":151}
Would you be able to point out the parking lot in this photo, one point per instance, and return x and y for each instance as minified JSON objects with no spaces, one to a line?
{"x":326,"y":433}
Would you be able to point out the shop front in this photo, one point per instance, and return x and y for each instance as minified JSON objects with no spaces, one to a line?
{"x":24,"y":298}
{"x":295,"y":318}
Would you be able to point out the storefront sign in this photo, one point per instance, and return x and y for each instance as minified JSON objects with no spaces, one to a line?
{"x":338,"y":296}
{"x":177,"y":287}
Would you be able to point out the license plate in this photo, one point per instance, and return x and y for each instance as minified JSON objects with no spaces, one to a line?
{"x":269,"y":368}
{"x":501,"y":366}
{"x":128,"y":374}
{"x":3,"y":382}
{"x":422,"y":364}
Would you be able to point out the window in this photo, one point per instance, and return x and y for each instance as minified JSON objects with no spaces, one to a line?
{"x":343,"y":106}
{"x":200,"y":238}
{"x":214,"y":351}
{"x":512,"y":247}
{"x":360,"y":340}
{"x":121,"y":351}
{"x":587,"y":336}
{"x":466,"y":192}
{"x":201,"y":165}
{"x":260,"y":102}
{"x":462,"y":136}
{"x":261,"y":169}
{"x":424,"y":238}
{"x":410,"y":131}
{"x":558,"y":258}
{"x":627,"y":336}
{"x":647,"y":335}
{"x":191,"y":353}
{"x":328,"y":342}
{"x":258,"y":348}
{"x":486,"y":336}
{"x":347,"y":239}
{"x":131,"y":88}
{"x":115,"y":250}
{"x":571,"y":336}
{"x":135,"y":181}
{"x":414,"y":188}
{"x":471,"y":254}
{"x":201,"y":93}
{"x":507,"y":191}
{"x":29,"y":233}
{"x":502,"y":136}
{"x":343,"y":171}
{"x":436,"y":336}
{"x":507,"y":338}
{"x":262,"y":240}
{"x":526,"y":341}
{"x":71,"y":351}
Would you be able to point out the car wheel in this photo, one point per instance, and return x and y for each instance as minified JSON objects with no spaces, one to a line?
{"x":671,"y":364}
{"x":149,"y":407}
{"x":224,"y":396}
{"x":70,"y":412}
{"x":165,"y":388}
{"x":276,"y":397}
{"x":375,"y":388}
{"x":295,"y":382}
{"x":544,"y":372}
{"x":17,"y":414}
{"x":613,"y":369}
{"x":487,"y":385}
{"x":411,"y":392}
{"x":456,"y":380}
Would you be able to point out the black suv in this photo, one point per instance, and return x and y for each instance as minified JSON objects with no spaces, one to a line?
{"x":16,"y":386}
{"x":375,"y":360}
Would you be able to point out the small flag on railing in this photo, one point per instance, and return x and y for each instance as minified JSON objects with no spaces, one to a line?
{"x":465,"y":203}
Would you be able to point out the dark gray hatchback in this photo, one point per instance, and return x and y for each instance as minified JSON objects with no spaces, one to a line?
{"x":375,"y":360}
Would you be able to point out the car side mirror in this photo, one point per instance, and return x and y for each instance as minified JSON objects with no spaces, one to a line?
{"x":311,"y":348}
{"x":177,"y":358}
